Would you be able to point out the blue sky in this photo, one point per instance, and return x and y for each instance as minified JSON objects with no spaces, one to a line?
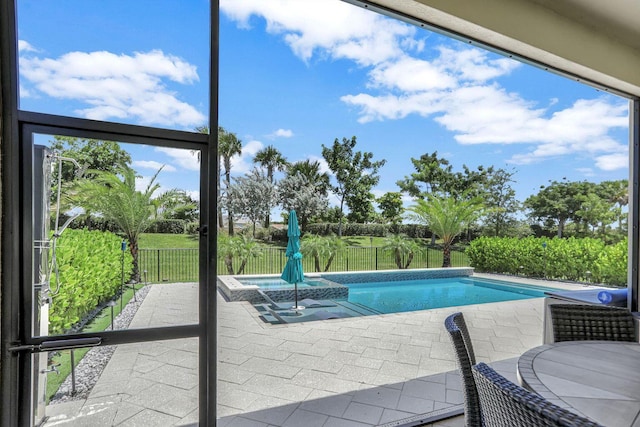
{"x":298,"y":74}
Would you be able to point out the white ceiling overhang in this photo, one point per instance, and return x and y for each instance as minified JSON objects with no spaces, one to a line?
{"x":593,"y":40}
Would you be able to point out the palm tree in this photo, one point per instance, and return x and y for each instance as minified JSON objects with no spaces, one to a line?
{"x":447,"y":218}
{"x":320,"y":247}
{"x":401,"y":246}
{"x":271,"y":159}
{"x":311,"y":171}
{"x":228,"y":146}
{"x":239,"y":247}
{"x":115,"y":198}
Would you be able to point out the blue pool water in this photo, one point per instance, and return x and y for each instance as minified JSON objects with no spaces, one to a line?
{"x":274,"y":283}
{"x":410,"y":295}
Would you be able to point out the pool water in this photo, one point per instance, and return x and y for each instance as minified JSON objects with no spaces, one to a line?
{"x":410,"y":295}
{"x":273,"y":283}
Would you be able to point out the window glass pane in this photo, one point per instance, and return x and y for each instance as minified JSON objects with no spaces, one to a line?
{"x":115,"y":235}
{"x":138,"y":62}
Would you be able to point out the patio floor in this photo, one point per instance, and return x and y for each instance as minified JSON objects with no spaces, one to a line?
{"x":387,"y":370}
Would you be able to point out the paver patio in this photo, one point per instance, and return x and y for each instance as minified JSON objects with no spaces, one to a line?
{"x":390,"y":369}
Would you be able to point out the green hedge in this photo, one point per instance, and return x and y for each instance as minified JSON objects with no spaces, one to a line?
{"x":378,"y":230}
{"x":564,"y":259}
{"x":89,"y":264}
{"x":167,"y":226}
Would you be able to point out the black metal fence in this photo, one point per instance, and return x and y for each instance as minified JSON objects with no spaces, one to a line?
{"x":181,"y":265}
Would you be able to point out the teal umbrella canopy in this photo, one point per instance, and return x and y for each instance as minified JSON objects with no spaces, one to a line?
{"x":293,"y":272}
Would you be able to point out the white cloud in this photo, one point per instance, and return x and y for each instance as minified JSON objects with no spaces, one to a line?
{"x":456,"y":87}
{"x":281,"y":133}
{"x":586,"y":171}
{"x":142,"y":182}
{"x":116,"y":86}
{"x":331,"y":28}
{"x":184,"y":158}
{"x":194,"y":194}
{"x":244,"y":162}
{"x":151,"y":164}
{"x":324,"y":166}
{"x":611,"y":162}
{"x":25,"y":46}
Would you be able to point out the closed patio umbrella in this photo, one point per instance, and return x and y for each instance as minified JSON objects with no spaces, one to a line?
{"x":293,"y":269}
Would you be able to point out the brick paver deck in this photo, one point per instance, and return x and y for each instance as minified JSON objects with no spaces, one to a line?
{"x":366,"y":371}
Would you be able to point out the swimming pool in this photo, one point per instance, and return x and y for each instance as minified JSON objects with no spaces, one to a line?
{"x":411,"y":295}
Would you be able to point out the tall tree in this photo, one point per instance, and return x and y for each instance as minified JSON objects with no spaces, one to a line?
{"x":308,"y":200}
{"x":447,"y":218}
{"x":432,"y":175}
{"x":615,"y":192}
{"x":391,"y":206}
{"x":272,"y":160}
{"x":91,"y":154}
{"x":500,"y":201}
{"x":228,"y":146}
{"x":175,"y":204}
{"x":115,"y":198}
{"x":252,"y":196}
{"x":355,"y":174}
{"x":557,"y":202}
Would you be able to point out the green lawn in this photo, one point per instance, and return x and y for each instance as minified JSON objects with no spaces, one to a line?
{"x":168,"y":241}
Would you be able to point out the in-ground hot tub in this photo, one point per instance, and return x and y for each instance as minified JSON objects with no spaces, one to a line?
{"x":246,"y":288}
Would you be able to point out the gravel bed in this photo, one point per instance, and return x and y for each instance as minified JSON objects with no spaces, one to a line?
{"x":90,"y":368}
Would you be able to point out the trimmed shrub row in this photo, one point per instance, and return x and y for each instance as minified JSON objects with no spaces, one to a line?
{"x":586,"y":259}
{"x":89,"y":264}
{"x":377,"y":230}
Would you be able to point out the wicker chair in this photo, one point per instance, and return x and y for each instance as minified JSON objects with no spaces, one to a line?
{"x":578,"y":322}
{"x":505,"y":404}
{"x":465,"y":358}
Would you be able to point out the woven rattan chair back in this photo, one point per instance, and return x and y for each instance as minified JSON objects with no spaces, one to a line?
{"x":579,"y":322}
{"x":505,"y":404}
{"x":464,"y":356}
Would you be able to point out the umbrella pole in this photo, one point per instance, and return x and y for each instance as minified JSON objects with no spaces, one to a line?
{"x":295,"y":307}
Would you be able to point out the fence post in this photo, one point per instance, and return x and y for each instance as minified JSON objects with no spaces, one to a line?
{"x":376,"y":258}
{"x":158,"y":260}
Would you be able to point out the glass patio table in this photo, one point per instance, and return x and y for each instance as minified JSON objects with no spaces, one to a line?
{"x":596,"y":379}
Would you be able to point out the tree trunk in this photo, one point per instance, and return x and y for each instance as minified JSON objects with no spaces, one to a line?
{"x":341,"y":216}
{"x":228,"y":261}
{"x":218,"y":204}
{"x":329,"y":261}
{"x":446,"y":256}
{"x":398,"y":259}
{"x":561,"y":227}
{"x":229,"y":213}
{"x":133,"y":248}
{"x":242,"y":265}
{"x":316,"y":260}
{"x":409,"y":259}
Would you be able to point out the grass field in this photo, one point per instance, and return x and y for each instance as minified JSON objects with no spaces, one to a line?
{"x":168,"y":241}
